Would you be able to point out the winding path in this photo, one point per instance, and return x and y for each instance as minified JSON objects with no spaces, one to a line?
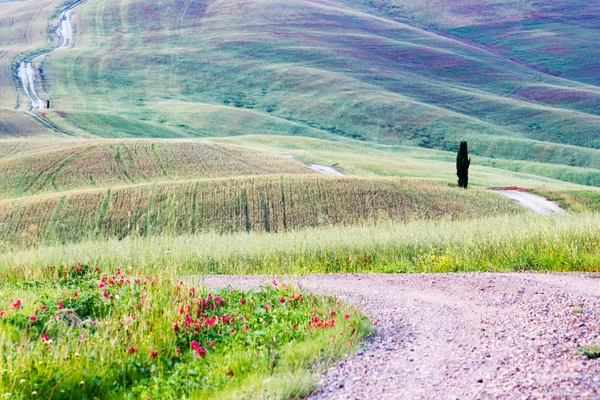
{"x":26,"y":72}
{"x":463,"y":336}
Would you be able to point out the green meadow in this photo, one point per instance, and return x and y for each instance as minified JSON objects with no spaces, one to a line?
{"x":182,"y":141}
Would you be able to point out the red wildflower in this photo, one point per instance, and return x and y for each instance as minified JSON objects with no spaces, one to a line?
{"x":43,"y":307}
{"x":230,"y":374}
{"x":333,"y":313}
{"x":17,"y":304}
{"x":105,"y":294}
{"x":33,"y":318}
{"x":282,"y":300}
{"x":2,"y":313}
{"x":176,"y":327}
{"x":154,"y":353}
{"x":346,"y":316}
{"x":242,"y":301}
{"x":274,"y":282}
{"x":294,"y":326}
{"x":101,"y":285}
{"x":75,"y":294}
{"x":201,"y":351}
{"x":45,"y":338}
{"x":132,"y":350}
{"x":60,"y":304}
{"x":212,"y":344}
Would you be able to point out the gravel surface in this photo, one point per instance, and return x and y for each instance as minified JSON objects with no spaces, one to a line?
{"x":532,"y":201}
{"x":463,"y":336}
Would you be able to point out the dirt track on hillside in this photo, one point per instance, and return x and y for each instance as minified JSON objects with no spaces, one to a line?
{"x":27,"y":73}
{"x":464,"y":336}
{"x":531,"y":201}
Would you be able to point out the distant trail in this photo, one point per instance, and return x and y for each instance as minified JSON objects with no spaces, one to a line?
{"x":26,"y":71}
{"x":325,"y":170}
{"x":535,"y":203}
{"x":319,"y":168}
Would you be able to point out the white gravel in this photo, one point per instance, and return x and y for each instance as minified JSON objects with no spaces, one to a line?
{"x":324,"y":169}
{"x":463,"y":336}
{"x":535,"y":203}
{"x":26,"y":71}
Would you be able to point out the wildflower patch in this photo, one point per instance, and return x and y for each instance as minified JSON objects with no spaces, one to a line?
{"x":81,"y":332}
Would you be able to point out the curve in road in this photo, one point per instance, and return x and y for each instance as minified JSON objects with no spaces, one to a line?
{"x":531,"y":201}
{"x":462,"y":336}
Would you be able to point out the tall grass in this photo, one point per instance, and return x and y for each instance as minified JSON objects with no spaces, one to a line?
{"x":508,"y":243}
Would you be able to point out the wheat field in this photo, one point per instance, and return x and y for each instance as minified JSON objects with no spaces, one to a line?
{"x":273,"y":203}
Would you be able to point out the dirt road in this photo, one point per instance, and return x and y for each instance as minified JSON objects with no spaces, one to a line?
{"x":26,"y":71}
{"x":535,"y":203}
{"x":324,"y":169}
{"x":464,"y":336}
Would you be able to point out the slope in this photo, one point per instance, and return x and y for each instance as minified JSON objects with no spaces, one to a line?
{"x":246,"y":204}
{"x":52,"y":165}
{"x":176,"y":68}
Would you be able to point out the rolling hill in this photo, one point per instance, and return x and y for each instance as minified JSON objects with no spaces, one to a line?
{"x":322,"y":69}
{"x":56,"y":166}
{"x":258,"y":204}
{"x":415,"y":73}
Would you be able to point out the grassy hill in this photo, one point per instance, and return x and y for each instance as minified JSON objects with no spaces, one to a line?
{"x":392,"y":72}
{"x":24,"y":28}
{"x":191,"y":68}
{"x":55,"y":165}
{"x":259,"y":204}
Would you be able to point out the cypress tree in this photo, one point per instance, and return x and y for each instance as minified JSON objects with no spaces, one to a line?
{"x":462,"y":165}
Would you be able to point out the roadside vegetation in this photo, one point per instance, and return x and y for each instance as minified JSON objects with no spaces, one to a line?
{"x":576,"y":201}
{"x":80,"y":331}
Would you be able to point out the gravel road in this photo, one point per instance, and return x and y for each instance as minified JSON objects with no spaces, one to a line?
{"x":534,"y":202}
{"x":325,"y":170}
{"x":26,"y":71}
{"x":463,"y":336}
